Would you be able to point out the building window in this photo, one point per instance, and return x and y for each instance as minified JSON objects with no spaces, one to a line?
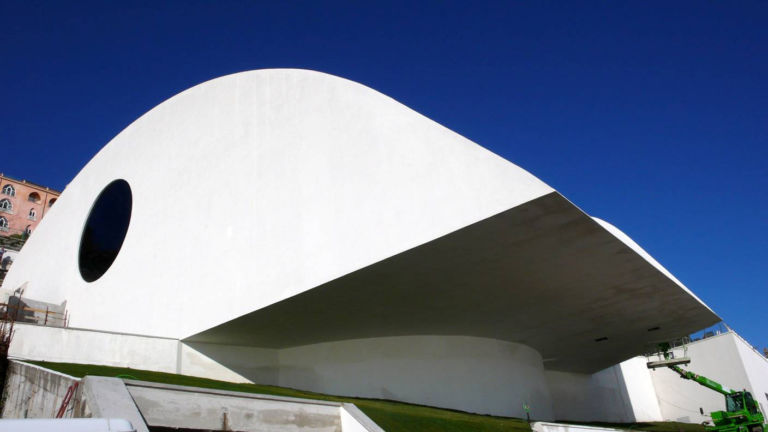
{"x":6,"y":206}
{"x":9,"y":190}
{"x":32,"y":214}
{"x":34,"y":197}
{"x":105,"y":229}
{"x":50,"y":203}
{"x":3,"y":224}
{"x":28,"y":230}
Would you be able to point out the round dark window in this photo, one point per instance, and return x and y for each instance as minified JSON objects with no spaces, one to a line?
{"x":105,"y":230}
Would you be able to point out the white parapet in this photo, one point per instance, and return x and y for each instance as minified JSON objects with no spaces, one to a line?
{"x":563,"y":427}
{"x":67,"y":425}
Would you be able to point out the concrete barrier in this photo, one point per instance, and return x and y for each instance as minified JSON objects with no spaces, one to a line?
{"x":562,"y":427}
{"x":164,"y":405}
{"x":35,"y":392}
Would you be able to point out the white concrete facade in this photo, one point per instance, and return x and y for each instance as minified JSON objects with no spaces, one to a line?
{"x":623,"y":393}
{"x":725,"y":358}
{"x":471,"y":374}
{"x":366,"y":251}
{"x":464,"y":373}
{"x":301,"y":162}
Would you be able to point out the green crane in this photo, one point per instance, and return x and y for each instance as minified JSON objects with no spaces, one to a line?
{"x":741,"y":414}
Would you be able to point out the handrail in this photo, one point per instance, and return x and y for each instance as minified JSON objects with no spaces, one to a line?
{"x":18,"y":314}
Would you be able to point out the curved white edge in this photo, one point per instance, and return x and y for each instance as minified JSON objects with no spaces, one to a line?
{"x":257,"y":186}
{"x":619,"y":234}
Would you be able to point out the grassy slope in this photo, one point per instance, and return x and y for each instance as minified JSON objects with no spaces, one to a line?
{"x":391,"y":416}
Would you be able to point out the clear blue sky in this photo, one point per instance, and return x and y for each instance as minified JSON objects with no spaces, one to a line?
{"x":650,"y":115}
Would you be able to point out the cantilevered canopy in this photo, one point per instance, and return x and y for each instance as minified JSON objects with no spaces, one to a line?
{"x":543,"y":274}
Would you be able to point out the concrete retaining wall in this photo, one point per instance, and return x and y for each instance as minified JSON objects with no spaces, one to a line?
{"x":560,"y":427}
{"x":35,"y":392}
{"x":180,"y":407}
{"x":472,"y":374}
{"x":83,"y":346}
{"x":165,"y":405}
{"x":72,"y":345}
{"x":487,"y":376}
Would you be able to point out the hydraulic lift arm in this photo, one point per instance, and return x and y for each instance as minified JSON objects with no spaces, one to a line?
{"x":704,"y":381}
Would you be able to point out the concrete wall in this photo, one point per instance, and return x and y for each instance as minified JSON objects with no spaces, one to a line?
{"x":717,"y":358}
{"x":92,"y":347}
{"x":71,"y":345}
{"x":640,"y":390}
{"x":166,"y":407}
{"x":559,"y":427}
{"x":756,"y":368}
{"x":471,"y":374}
{"x":230,"y":363}
{"x":623,"y":393}
{"x":34,"y":392}
{"x":598,"y":397}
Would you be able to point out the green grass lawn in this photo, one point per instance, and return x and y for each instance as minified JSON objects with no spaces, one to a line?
{"x":391,"y":416}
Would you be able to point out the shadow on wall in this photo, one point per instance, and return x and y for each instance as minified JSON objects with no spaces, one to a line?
{"x":614,"y":399}
{"x":465,"y":373}
{"x":258,"y":365}
{"x":602,"y":396}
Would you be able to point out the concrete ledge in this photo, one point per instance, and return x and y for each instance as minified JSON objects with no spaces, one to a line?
{"x":562,"y":427}
{"x":245,"y":395}
{"x":108,"y":398}
{"x":354,"y":420}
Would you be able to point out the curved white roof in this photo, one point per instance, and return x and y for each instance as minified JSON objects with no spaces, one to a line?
{"x":267,"y":189}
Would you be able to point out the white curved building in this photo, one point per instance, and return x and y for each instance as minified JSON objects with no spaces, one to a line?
{"x":361,"y":249}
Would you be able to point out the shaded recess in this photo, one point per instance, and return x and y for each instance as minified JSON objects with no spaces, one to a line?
{"x":105,"y":230}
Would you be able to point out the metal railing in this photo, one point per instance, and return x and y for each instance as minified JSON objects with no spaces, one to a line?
{"x":20,"y":312}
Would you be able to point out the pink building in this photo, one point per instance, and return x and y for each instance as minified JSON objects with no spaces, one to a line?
{"x":23,"y":205}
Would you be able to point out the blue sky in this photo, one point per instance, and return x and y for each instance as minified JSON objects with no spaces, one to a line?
{"x":650,"y":115}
